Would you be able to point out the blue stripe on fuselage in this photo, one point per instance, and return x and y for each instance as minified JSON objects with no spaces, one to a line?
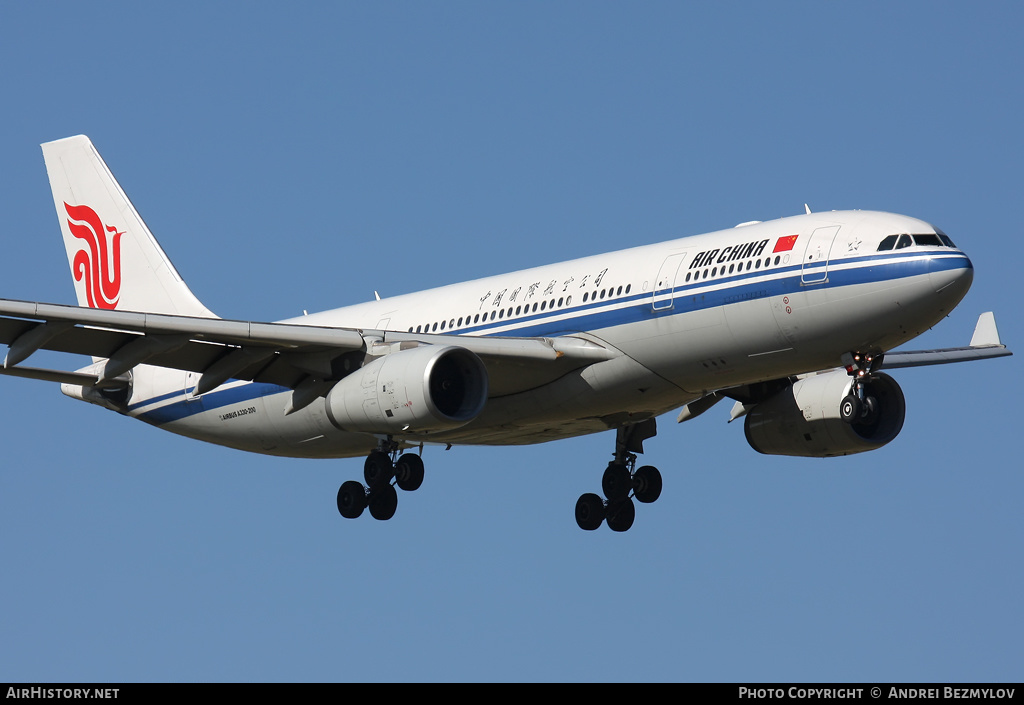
{"x":216,"y":399}
{"x":608,"y":313}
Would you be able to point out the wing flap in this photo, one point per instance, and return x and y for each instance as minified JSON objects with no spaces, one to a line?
{"x":215,"y":329}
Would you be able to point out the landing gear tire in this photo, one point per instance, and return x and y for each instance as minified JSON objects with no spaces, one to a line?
{"x":383,"y":502}
{"x":351,"y":499}
{"x":869,"y":410}
{"x":617,"y":482}
{"x":647,"y":484}
{"x":850,"y":408}
{"x":378,"y":469}
{"x":621,"y":515}
{"x":409,"y":472}
{"x":589,"y":511}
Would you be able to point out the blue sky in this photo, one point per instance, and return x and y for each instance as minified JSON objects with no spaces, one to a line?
{"x":302,"y":157}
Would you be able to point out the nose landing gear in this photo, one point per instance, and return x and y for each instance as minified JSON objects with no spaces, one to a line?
{"x":859,"y":407}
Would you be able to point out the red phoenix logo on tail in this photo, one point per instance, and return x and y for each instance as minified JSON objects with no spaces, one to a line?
{"x":99,"y":266}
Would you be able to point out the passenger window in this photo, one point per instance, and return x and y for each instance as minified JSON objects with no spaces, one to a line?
{"x":460,"y":321}
{"x":585,"y":296}
{"x":560,"y":301}
{"x":628,"y":287}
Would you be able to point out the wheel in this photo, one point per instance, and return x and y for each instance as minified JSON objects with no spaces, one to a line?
{"x":377,"y":470}
{"x":621,"y":515}
{"x":647,"y":484}
{"x":869,"y":412}
{"x":351,"y":499}
{"x":616,"y":482}
{"x":383,"y":502}
{"x":589,"y":511}
{"x":409,"y":472}
{"x":849,"y":408}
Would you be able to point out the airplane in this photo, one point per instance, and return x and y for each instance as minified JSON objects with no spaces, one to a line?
{"x":792,"y":319}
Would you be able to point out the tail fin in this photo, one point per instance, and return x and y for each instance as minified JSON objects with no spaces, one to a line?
{"x":115,"y":261}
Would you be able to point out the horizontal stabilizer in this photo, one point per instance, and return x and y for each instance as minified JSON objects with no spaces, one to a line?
{"x":80,"y":379}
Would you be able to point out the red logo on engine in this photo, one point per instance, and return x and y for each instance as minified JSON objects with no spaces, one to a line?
{"x":99,"y":262}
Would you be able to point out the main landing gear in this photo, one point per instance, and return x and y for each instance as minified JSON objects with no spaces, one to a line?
{"x":621,"y":478}
{"x":860,"y":407}
{"x":381,"y":467}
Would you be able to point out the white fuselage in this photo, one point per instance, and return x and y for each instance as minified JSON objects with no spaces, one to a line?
{"x":685,"y":317}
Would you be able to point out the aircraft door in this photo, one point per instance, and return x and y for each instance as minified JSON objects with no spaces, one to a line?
{"x":819,"y":246}
{"x":664,"y":285}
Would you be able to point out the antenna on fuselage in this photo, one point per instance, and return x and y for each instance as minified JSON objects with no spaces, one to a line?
{"x":807,"y":209}
{"x":376,"y":295}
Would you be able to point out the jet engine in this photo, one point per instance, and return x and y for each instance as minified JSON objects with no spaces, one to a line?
{"x":804,"y":419}
{"x":418,"y":390}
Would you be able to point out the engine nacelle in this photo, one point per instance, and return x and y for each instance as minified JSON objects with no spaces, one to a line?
{"x":804,"y":419}
{"x":418,"y":390}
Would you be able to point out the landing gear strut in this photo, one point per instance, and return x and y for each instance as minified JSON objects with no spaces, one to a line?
{"x":381,"y":467}
{"x":621,"y":478}
{"x":859,"y":407}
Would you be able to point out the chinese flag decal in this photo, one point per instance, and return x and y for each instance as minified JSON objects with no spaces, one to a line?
{"x":785,"y":244}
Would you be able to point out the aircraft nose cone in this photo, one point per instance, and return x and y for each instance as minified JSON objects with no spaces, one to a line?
{"x":951,"y":277}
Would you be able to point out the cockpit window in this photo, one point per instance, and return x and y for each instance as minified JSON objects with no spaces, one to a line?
{"x":898,"y":242}
{"x":928,"y":240}
{"x":888,"y":243}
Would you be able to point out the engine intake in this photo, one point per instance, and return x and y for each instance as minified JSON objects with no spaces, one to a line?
{"x":419,"y":390}
{"x":804,"y":419}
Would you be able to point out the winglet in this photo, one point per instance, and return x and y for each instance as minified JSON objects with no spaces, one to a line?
{"x":985,"y":333}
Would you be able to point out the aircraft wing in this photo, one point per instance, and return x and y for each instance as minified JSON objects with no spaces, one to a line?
{"x":984,"y":344}
{"x":276,"y":353}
